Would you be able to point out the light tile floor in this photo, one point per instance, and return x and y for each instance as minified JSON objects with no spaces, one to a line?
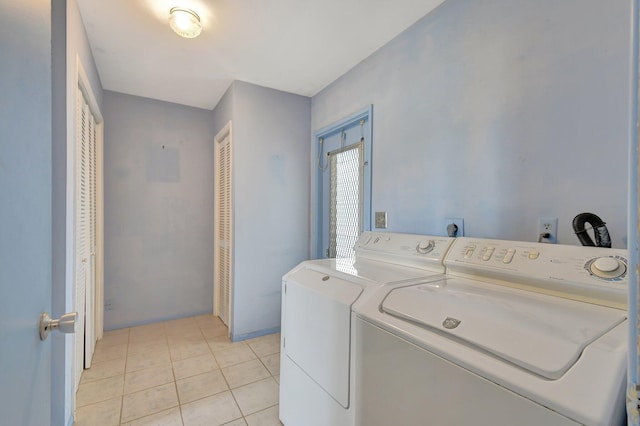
{"x":184,"y":372}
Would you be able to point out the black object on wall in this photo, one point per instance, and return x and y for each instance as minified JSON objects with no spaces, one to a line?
{"x":599,"y":227}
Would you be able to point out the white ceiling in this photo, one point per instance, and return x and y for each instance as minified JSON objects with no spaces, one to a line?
{"x":298,"y":46}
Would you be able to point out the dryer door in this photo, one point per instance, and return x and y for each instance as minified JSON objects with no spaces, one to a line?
{"x":317,"y":326}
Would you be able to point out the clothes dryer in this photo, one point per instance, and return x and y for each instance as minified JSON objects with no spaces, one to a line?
{"x":316,"y":355}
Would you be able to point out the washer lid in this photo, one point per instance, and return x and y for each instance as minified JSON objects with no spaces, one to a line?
{"x":540,"y":333}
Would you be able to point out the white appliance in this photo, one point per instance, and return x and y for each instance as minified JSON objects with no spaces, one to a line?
{"x":316,"y":358}
{"x":516,"y":333}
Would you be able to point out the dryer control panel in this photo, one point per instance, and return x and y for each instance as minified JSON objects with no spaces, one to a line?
{"x":594,"y":274}
{"x":419,"y":251}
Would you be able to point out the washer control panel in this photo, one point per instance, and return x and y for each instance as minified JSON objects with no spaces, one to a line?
{"x":589,"y":272}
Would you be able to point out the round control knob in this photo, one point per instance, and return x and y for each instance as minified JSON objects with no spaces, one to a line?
{"x":607,"y":267}
{"x":606,"y":264}
{"x":425,"y":246}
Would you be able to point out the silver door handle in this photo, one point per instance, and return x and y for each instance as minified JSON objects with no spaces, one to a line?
{"x":65,"y":324}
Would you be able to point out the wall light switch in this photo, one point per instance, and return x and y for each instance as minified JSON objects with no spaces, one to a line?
{"x":381,"y":220}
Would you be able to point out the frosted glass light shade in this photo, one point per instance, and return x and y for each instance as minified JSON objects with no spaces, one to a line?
{"x":185,"y":22}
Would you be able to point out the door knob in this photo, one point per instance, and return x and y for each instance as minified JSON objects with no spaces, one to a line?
{"x":65,"y":324}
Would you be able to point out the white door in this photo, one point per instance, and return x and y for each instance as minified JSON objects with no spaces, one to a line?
{"x":90,"y":300}
{"x":90,"y":181}
{"x":80,"y":233}
{"x":84,"y":234}
{"x":223,"y":222}
{"x":25,"y":211}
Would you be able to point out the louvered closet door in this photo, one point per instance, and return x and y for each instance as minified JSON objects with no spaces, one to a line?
{"x":90,"y":294}
{"x":80,"y":235}
{"x":223,"y":271}
{"x":84,"y":235}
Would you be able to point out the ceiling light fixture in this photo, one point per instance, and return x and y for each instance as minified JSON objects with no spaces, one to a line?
{"x":185,"y":22}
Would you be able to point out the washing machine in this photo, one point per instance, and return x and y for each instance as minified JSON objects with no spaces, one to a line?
{"x":316,"y":367}
{"x":516,"y":333}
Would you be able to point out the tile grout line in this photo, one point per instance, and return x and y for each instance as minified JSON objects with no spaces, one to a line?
{"x":228,"y":385}
{"x":165,"y":337}
{"x":175,"y":385}
{"x":173,"y":373}
{"x":180,"y":404}
{"x":124,"y":377}
{"x":243,"y":416}
{"x":221,"y":373}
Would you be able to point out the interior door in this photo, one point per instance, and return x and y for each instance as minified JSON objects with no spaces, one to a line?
{"x":85,"y":235}
{"x":223,"y":222}
{"x":25,"y":211}
{"x":81,"y":245}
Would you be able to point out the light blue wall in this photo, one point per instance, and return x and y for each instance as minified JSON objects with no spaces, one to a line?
{"x":158,"y":200}
{"x":271,"y":136}
{"x":79,"y":50}
{"x":498,"y":112}
{"x":223,"y":112}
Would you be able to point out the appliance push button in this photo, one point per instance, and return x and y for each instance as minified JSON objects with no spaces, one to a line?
{"x":509,"y":256}
{"x":488,"y":253}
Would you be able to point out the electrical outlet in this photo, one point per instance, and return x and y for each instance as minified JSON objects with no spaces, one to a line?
{"x":381,"y":220}
{"x":547,"y":225}
{"x":458,"y":221}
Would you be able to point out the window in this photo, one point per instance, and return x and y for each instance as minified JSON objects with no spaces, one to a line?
{"x":345,"y":199}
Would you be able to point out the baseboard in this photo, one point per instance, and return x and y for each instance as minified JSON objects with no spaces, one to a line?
{"x":252,"y":335}
{"x":154,"y":320}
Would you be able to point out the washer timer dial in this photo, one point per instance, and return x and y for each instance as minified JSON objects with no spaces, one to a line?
{"x":611,"y":268}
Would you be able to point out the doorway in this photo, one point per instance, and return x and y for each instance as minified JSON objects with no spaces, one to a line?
{"x":86,"y":175}
{"x":342,"y":185}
